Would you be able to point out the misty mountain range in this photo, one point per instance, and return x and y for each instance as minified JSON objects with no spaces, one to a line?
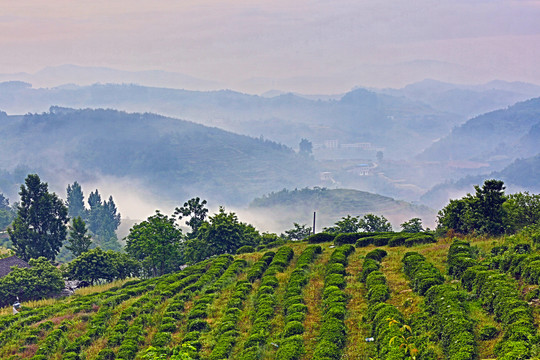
{"x":413,"y":143}
{"x":173,"y":159}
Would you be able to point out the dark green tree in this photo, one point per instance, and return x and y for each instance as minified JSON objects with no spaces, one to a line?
{"x":75,"y":201}
{"x":103,"y":220}
{"x":79,"y":241}
{"x":374,"y":223}
{"x":298,"y":232}
{"x":221,"y":234}
{"x":412,"y":226}
{"x":41,"y":224}
{"x":454,"y":216}
{"x":379,"y":156}
{"x":196,"y":211}
{"x":4,"y":202}
{"x":482,"y":213}
{"x":488,"y":210}
{"x":156,"y":243}
{"x":94,"y":266}
{"x":97,"y":266}
{"x":522,"y":209}
{"x":347,"y":224}
{"x":42,"y":279}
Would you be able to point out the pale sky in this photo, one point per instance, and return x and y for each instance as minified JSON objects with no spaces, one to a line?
{"x":313,"y":46}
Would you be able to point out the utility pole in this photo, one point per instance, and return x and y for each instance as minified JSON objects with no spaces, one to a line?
{"x":314,"y":214}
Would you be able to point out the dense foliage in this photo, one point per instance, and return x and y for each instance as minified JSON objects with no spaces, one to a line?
{"x":489,"y":211}
{"x":39,"y":281}
{"x":40,"y":226}
{"x":156,"y":243}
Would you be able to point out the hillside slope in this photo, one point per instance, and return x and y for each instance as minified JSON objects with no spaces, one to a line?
{"x":493,"y":137}
{"x":286,"y":206}
{"x":173,"y":159}
{"x":299,"y":301}
{"x":520,"y":175}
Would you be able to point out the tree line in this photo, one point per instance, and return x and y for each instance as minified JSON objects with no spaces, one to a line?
{"x":43,"y":223}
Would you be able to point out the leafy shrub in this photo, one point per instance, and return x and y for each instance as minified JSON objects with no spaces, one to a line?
{"x":198,"y":325}
{"x":335,"y":280}
{"x":346,"y":238}
{"x":451,"y":321}
{"x":245,"y":249}
{"x":459,"y":258}
{"x":377,"y":254}
{"x":369,"y":266}
{"x":293,"y":328}
{"x":321,"y":237}
{"x":106,"y":354}
{"x":488,"y":332}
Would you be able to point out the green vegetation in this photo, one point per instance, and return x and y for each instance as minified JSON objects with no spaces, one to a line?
{"x":451,"y":298}
{"x":40,"y":226}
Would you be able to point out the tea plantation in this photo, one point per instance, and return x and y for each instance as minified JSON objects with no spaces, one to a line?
{"x":353,"y":296}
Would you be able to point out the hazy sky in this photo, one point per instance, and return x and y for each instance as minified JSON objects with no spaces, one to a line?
{"x":306,"y":45}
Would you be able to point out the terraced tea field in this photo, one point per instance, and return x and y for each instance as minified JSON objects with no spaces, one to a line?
{"x":473,"y":298}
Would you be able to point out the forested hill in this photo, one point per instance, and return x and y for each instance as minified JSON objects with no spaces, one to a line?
{"x":520,"y":174}
{"x":332,"y":204}
{"x":167,"y":156}
{"x":496,"y":136}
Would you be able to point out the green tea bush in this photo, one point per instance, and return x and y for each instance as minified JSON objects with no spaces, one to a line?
{"x":451,"y":320}
{"x":488,"y":332}
{"x":422,"y":274}
{"x":459,"y":258}
{"x":293,"y":328}
{"x":377,"y":254}
{"x":333,"y":333}
{"x":369,"y":266}
{"x":256,"y":271}
{"x":499,"y":294}
{"x":245,"y":249}
{"x":226,"y":329}
{"x":321,"y":237}
{"x":346,"y":238}
{"x":105,"y":354}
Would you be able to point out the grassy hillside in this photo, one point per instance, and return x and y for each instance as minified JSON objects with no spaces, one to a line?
{"x":304,"y":301}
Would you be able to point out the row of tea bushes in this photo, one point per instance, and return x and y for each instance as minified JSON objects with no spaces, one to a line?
{"x":196,"y":317}
{"x":333,"y":333}
{"x":265,"y":303}
{"x":385,"y":318}
{"x":134,"y":337}
{"x":517,"y":261}
{"x":226,"y":331}
{"x":460,"y":257}
{"x":292,"y":343}
{"x":499,"y":295}
{"x":138,"y":310}
{"x":420,"y":272}
{"x":449,"y":316}
{"x":363,"y":239}
{"x":396,"y":239}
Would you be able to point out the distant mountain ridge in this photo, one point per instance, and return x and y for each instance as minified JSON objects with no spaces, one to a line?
{"x":174,"y":159}
{"x":55,"y":76}
{"x":522,"y":174}
{"x":495,"y":135}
